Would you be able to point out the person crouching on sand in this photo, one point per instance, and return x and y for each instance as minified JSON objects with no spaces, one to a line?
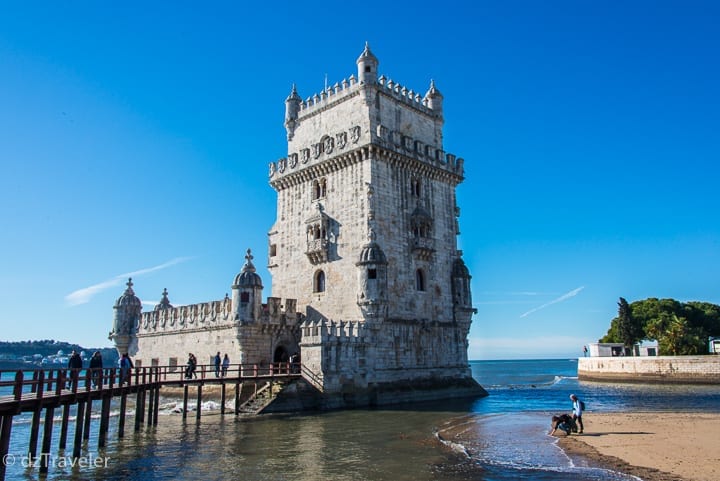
{"x":563,"y":422}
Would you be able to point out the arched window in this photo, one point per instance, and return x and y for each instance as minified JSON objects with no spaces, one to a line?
{"x":415,"y":187}
{"x":319,"y":189}
{"x":319,"y":282}
{"x":419,"y":280}
{"x":244,"y":297}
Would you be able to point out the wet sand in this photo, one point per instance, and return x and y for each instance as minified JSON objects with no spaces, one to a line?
{"x":654,"y":446}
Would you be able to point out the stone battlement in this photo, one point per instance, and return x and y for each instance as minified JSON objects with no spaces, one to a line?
{"x":212,"y":314}
{"x":323,"y":331}
{"x":347,"y":86}
{"x":186,"y":317}
{"x":327,"y":96}
{"x":405,"y":95}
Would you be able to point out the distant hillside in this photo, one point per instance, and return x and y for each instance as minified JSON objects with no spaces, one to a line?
{"x":30,"y":353}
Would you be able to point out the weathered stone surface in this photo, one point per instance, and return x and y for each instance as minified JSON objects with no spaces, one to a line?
{"x":367,"y":282}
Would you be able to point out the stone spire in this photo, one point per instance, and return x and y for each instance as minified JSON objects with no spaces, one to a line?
{"x":164,"y":302}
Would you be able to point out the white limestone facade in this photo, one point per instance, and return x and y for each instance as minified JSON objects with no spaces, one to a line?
{"x":367,"y":282}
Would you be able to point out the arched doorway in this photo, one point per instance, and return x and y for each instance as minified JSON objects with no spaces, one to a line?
{"x":281,"y":354}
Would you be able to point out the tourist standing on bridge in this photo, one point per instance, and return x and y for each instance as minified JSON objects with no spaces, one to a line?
{"x":217,"y":364}
{"x":96,"y":366}
{"x":191,"y":366}
{"x":74,"y":364}
{"x":125,"y":365}
{"x":225,"y":365}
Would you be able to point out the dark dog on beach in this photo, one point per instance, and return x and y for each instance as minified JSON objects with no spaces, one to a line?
{"x":563,"y":422}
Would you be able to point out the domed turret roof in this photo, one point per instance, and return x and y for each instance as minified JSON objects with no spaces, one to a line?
{"x":371,"y":252}
{"x":248,"y":277}
{"x":164,"y":302}
{"x":294,"y":96}
{"x":460,"y":269}
{"x":367,"y":55}
{"x":128,"y":298}
{"x":433,"y":91}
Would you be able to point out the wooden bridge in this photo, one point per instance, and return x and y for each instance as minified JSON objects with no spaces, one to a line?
{"x":53,"y":389}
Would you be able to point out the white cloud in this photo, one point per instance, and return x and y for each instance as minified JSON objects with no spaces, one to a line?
{"x":83,"y":296}
{"x":562,"y":298}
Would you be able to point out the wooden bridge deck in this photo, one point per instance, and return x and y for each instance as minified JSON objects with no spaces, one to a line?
{"x":49,"y":389}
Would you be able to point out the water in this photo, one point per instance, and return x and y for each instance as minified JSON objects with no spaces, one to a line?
{"x":498,"y":438}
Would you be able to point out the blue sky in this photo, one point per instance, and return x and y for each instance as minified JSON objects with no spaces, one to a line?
{"x":135,"y":139}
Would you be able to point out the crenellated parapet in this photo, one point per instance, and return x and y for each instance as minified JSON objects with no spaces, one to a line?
{"x":407,"y":96}
{"x":194,"y":316}
{"x":330,"y":331}
{"x":213,"y":314}
{"x":275,"y":311}
{"x":329,"y":96}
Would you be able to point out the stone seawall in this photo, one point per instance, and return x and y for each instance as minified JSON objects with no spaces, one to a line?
{"x":666,"y":369}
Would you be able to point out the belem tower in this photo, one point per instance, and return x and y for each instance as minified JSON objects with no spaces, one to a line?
{"x":368,"y":285}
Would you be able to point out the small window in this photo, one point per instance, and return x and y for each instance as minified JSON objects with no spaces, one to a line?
{"x":367,"y":68}
{"x":273,"y":250}
{"x":319,"y":282}
{"x":172,"y":362}
{"x":319,"y":189}
{"x":372,"y":273}
{"x":415,"y":187}
{"x":419,"y":280}
{"x":244,"y":297}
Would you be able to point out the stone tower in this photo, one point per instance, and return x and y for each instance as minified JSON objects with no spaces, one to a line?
{"x":126,"y":318}
{"x":365,"y":238}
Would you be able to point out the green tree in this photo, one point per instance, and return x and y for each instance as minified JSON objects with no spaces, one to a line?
{"x":625,"y":328}
{"x":676,"y":336}
{"x":679,"y":328}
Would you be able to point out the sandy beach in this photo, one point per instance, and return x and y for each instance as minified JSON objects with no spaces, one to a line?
{"x":655,"y":446}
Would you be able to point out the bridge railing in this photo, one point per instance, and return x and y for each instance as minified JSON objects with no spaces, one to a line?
{"x":17,"y":384}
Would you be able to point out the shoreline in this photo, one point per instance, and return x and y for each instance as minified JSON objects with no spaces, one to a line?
{"x":654,"y":446}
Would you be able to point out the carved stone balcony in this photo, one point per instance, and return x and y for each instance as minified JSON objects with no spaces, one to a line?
{"x":422,"y":247}
{"x":317,"y":250}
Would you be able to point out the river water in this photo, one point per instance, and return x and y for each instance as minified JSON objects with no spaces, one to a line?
{"x":497,"y":438}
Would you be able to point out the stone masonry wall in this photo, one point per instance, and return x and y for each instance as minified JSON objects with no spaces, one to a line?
{"x":679,"y":369}
{"x":173,"y":348}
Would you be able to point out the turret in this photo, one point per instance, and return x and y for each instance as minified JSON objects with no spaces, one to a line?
{"x":367,"y":66}
{"x":434,"y":99}
{"x":372,"y":279}
{"x":292,"y":109}
{"x":247,"y":293}
{"x":462,"y":298}
{"x":126,"y":315}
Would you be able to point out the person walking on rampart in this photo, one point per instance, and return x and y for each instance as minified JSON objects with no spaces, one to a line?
{"x":96,"y":368}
